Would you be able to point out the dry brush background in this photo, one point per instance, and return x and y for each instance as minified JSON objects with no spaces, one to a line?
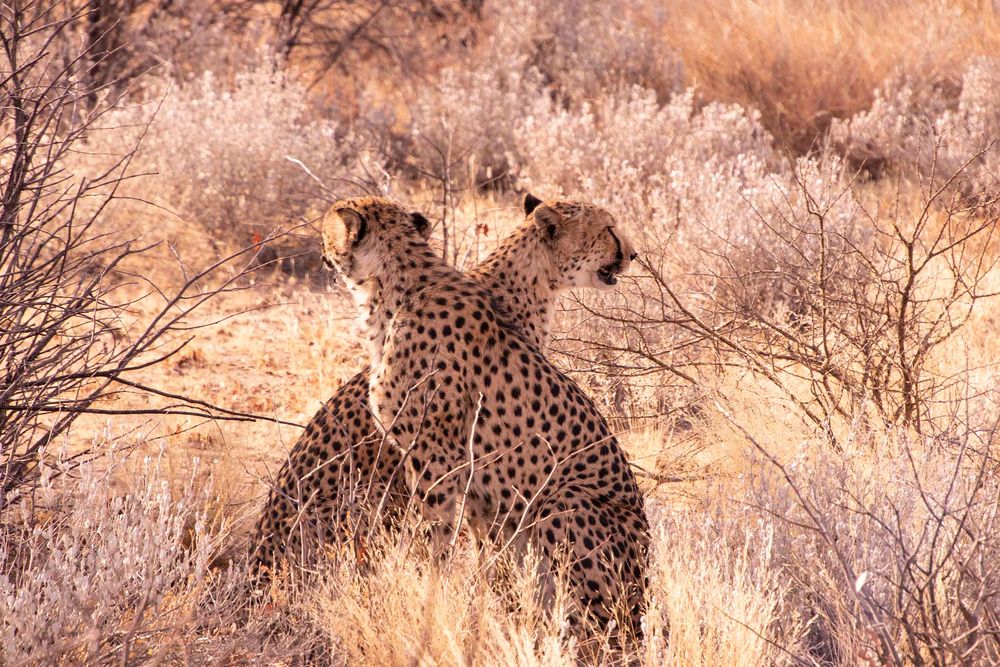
{"x":802,"y":368}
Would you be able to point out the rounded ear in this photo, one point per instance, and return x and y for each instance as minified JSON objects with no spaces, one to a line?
{"x":531,"y":202}
{"x":422,"y":224}
{"x":548,"y":221}
{"x":342,"y":229}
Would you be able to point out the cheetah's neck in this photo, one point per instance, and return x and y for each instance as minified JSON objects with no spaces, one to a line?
{"x":521,"y":277}
{"x":405,"y":270}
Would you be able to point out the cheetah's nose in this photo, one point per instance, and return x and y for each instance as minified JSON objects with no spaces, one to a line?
{"x":633,"y":256}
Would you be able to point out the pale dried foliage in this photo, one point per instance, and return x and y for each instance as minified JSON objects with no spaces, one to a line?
{"x":224,"y":153}
{"x":540,"y":55}
{"x":101,"y":565}
{"x":801,"y":363}
{"x":927,"y":130}
{"x":99,"y":574}
{"x":862,"y":544}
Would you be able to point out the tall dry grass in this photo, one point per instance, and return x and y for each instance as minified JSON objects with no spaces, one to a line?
{"x":803,"y":64}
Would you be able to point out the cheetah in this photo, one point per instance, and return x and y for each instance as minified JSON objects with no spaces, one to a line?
{"x":491,"y":432}
{"x":340,"y":472}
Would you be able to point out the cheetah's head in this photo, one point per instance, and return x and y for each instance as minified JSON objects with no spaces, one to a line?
{"x":587,"y":248}
{"x":355,"y":234}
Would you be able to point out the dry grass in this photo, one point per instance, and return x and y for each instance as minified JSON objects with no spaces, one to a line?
{"x":804,"y":63}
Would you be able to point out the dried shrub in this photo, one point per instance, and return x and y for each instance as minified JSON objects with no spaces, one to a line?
{"x":646,"y":160}
{"x":892,"y":558}
{"x":98,"y":576}
{"x":532,"y":58}
{"x":464,"y":121}
{"x":581,"y":49}
{"x":102,"y":568}
{"x":931,"y":131}
{"x":853,"y":298}
{"x":223,"y":154}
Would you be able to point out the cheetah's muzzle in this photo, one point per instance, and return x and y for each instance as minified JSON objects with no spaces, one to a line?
{"x":609,"y":274}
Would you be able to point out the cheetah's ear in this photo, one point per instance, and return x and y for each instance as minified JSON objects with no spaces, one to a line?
{"x":548,"y":221}
{"x":422,"y":224}
{"x":531,"y":202}
{"x":343,"y":228}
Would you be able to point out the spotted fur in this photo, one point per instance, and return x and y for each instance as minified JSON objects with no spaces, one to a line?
{"x":488,"y":428}
{"x":341,"y":472}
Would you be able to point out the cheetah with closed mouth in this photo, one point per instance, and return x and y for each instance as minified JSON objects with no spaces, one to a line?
{"x":492,"y":432}
{"x":340,"y":472}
